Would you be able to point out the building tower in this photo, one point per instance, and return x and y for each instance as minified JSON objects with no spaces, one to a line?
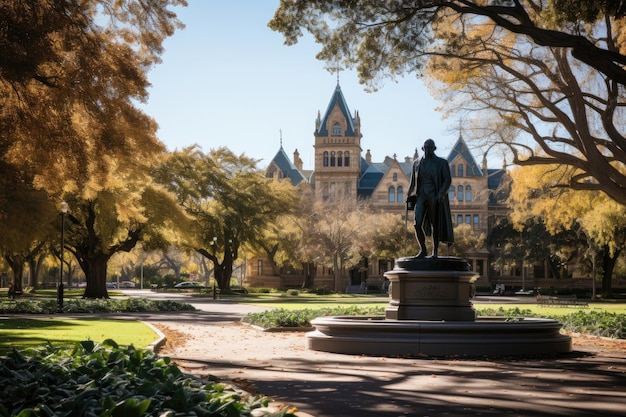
{"x":337,"y":150}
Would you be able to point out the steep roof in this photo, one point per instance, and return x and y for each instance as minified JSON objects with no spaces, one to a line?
{"x":460,"y":148}
{"x":370,"y":178}
{"x":287,"y":168}
{"x":337,"y":99}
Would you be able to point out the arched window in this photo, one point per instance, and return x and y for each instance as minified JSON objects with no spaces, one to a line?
{"x":451,"y":193}
{"x":476,"y":221}
{"x":468,"y":193}
{"x":332,"y":159}
{"x":339,"y":158}
{"x":325,"y":158}
{"x":346,"y":159}
{"x":400,"y":194}
{"x":336,"y":129}
{"x":459,"y":192}
{"x":459,"y":219}
{"x":392,"y":194}
{"x":395,"y":177}
{"x":272,"y":171}
{"x":460,"y":168}
{"x":453,"y":170}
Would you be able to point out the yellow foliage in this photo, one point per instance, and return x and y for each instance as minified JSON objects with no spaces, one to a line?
{"x":540,"y":191}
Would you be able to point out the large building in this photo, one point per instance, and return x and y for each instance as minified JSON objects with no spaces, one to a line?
{"x":341,"y":170}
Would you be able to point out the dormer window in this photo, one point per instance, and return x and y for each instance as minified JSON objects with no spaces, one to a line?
{"x":336,"y":129}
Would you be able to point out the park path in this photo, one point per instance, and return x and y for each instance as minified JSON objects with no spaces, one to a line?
{"x":212,"y":343}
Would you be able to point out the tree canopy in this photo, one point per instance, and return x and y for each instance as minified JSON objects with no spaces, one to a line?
{"x":70,"y":74}
{"x":231,"y":201}
{"x":542,"y":71}
{"x":601,"y":221}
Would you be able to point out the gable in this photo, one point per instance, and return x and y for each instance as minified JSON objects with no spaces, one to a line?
{"x":337,"y":101}
{"x":460,"y":154}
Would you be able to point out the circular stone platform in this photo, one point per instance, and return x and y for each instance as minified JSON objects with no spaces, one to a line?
{"x":361,"y":335}
{"x":430,"y":313}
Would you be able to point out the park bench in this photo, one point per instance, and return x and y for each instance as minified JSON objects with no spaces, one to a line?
{"x":561,"y":301}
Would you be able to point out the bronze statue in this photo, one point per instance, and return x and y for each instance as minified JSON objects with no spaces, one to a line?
{"x":430,"y":181}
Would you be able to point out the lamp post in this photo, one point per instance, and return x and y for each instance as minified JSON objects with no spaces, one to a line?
{"x":64,"y":209}
{"x":213,"y":246}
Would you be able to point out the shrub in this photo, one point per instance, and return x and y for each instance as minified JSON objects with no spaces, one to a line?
{"x":108,"y":380}
{"x":596,"y":323}
{"x":129,"y":305}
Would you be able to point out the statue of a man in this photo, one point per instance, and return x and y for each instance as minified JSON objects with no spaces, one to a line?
{"x":430,"y":181}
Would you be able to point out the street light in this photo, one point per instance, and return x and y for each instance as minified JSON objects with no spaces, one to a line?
{"x":64,"y":208}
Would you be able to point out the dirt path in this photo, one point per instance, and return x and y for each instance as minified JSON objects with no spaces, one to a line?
{"x":592,"y":380}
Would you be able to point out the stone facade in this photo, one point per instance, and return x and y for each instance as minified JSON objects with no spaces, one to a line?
{"x":342,"y":171}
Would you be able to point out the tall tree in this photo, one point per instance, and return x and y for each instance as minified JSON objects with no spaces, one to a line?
{"x":27,"y":225}
{"x":338,"y":231}
{"x":535,"y":194}
{"x":231,"y":201}
{"x":534,"y":70}
{"x":115,"y":220}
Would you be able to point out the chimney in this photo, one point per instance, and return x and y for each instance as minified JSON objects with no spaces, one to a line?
{"x":296,"y":160}
{"x":368,"y":157}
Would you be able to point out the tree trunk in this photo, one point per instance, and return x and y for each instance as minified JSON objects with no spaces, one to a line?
{"x":608,"y":264}
{"x":95,"y":269}
{"x":336,"y":273}
{"x":309,"y":270}
{"x":223,"y":272}
{"x":16,"y":262}
{"x":18,"y":272}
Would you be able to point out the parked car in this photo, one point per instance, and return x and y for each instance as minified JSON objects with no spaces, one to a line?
{"x":111,"y":285}
{"x":127,"y":284}
{"x":188,"y":284}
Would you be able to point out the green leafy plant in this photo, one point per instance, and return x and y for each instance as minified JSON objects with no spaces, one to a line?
{"x":597,"y":323}
{"x":111,"y":381}
{"x":126,"y":305}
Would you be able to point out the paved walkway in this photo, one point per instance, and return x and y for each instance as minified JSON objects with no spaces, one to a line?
{"x":212,"y":342}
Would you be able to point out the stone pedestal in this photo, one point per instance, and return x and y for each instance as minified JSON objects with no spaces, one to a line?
{"x":431,"y":289}
{"x":430,"y":313}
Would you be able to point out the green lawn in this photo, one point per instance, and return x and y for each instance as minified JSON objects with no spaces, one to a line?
{"x":31,"y":332}
{"x":313,"y":302}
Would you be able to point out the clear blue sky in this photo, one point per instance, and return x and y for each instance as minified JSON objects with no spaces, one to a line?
{"x":228,"y":80}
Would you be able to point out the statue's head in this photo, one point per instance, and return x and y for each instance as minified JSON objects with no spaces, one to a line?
{"x":429,"y":146}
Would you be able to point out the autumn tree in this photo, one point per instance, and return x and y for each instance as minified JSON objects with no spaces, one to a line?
{"x":536,"y":194}
{"x":26,"y":227}
{"x":548,"y":72}
{"x":230,"y":200}
{"x":70,"y":74}
{"x":115,"y":220}
{"x":465,"y":239}
{"x":338,"y":229}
